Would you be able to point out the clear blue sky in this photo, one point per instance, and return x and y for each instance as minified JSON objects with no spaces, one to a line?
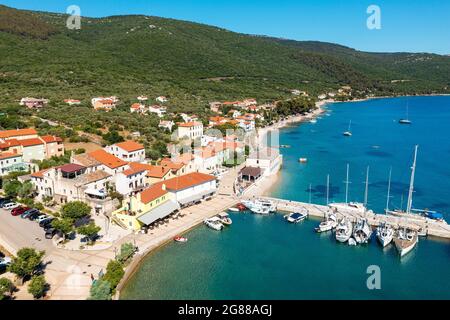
{"x":407,"y":25}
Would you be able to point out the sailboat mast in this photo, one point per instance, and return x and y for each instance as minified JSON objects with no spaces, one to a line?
{"x":411,"y":183}
{"x":346,"y":184}
{"x":389,"y":189}
{"x":366,"y":193}
{"x":328,"y":188}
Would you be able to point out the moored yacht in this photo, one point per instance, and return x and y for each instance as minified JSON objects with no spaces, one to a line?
{"x":260,"y":206}
{"x":328,"y":224}
{"x":405,"y":240}
{"x":225,"y":218}
{"x":344,"y":230}
{"x":296,"y":217}
{"x":214,"y":223}
{"x":385,"y":234}
{"x":355,"y":207}
{"x":362,"y":231}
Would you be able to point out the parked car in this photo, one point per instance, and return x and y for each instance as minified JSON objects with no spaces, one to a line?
{"x":26,"y":213}
{"x":10,"y":205}
{"x":4,"y":262}
{"x":49,"y":234}
{"x":42,"y":217}
{"x":34,"y":215}
{"x":43,"y":223}
{"x":18,"y":211}
{"x":47,"y":226}
{"x":4,"y":201}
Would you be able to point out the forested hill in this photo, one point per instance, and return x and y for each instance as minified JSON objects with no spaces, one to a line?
{"x":189,"y":62}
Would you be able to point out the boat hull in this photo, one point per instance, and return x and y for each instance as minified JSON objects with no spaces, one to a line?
{"x":404,"y":246}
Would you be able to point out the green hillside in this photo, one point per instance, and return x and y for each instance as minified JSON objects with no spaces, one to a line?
{"x":189,"y":62}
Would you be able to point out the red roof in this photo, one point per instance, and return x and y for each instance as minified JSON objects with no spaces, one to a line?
{"x":186,"y":181}
{"x":71,"y":167}
{"x":17,"y":132}
{"x":30,"y":142}
{"x":152,"y":171}
{"x":39,"y":174}
{"x":107,"y":159}
{"x":7,"y":155}
{"x":152,"y":193}
{"x":130,"y":146}
{"x":131,"y":171}
{"x":189,"y":124}
{"x":50,"y":139}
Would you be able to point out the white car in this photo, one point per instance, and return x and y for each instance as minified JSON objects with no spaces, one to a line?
{"x":6,"y":261}
{"x":42,"y":217}
{"x":10,"y":205}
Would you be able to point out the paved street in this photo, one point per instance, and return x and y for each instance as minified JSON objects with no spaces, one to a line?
{"x":69,"y":271}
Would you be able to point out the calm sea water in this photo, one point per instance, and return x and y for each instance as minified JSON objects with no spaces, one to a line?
{"x":267,"y":258}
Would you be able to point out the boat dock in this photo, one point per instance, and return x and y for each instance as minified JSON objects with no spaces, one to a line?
{"x":427,"y":226}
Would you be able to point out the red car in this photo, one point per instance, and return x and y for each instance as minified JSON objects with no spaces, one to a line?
{"x":19,"y":210}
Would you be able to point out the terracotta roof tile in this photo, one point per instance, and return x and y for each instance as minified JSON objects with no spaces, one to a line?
{"x":30,"y":142}
{"x":17,"y":132}
{"x":152,"y":193}
{"x":130,"y":146}
{"x":107,"y":159}
{"x":186,"y":181}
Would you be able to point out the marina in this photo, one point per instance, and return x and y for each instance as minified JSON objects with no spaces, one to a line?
{"x":342,"y":268}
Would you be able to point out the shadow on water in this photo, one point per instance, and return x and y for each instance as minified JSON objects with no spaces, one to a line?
{"x":320,"y":191}
{"x":396,"y":187}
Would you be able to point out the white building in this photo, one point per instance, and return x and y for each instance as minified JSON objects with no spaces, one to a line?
{"x":70,"y":182}
{"x":130,"y":151}
{"x":191,"y":130}
{"x":10,"y":162}
{"x":162,"y":99}
{"x":166,"y":124}
{"x":268,"y":159}
{"x":131,"y":181}
{"x":160,"y":111}
{"x":189,"y":188}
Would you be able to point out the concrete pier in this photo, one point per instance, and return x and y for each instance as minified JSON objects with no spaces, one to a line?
{"x":425,"y":225}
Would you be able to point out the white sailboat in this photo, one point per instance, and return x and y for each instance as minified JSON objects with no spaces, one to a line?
{"x":406,"y":238}
{"x":328,"y":224}
{"x":362,"y":230}
{"x":385,"y":233}
{"x":344,"y":230}
{"x":351,"y":207}
{"x":405,"y":120}
{"x":348,"y":133}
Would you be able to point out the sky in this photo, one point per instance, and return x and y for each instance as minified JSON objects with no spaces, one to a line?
{"x":405,"y":25}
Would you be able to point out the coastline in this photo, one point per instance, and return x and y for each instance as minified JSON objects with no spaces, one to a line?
{"x":261,"y":188}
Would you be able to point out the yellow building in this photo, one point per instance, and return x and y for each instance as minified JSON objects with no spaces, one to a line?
{"x":145,"y":208}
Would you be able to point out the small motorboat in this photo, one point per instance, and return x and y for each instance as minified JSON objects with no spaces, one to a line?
{"x":233,"y":209}
{"x":303,"y":160}
{"x":180,"y":239}
{"x":241,"y":207}
{"x":313,"y":121}
{"x":296,"y":217}
{"x":214,"y":223}
{"x":352,"y":242}
{"x":225,"y":218}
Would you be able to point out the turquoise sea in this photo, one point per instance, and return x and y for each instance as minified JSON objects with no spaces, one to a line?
{"x":267,"y":258}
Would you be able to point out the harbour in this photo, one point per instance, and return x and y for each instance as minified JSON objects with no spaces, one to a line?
{"x":298,"y":250}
